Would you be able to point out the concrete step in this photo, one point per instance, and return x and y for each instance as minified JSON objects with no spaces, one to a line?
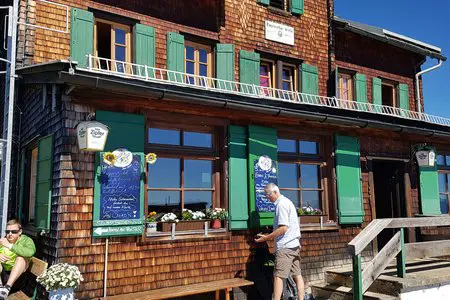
{"x":337,"y":292}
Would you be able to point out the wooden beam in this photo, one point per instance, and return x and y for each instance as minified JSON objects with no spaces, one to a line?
{"x":419,"y":222}
{"x":367,"y":235}
{"x":381,"y":261}
{"x":427,"y":249}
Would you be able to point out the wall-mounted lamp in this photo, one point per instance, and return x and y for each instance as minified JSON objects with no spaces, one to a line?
{"x":426,"y":158}
{"x":92,"y":135}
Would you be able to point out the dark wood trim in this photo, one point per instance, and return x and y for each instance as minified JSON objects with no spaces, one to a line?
{"x":411,"y":232}
{"x":372,"y":201}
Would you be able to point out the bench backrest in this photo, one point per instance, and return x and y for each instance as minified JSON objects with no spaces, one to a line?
{"x":38,"y":266}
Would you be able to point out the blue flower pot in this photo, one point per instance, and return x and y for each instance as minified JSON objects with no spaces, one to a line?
{"x":65,"y":294}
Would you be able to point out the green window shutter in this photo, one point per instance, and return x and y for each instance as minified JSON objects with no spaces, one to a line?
{"x":297,"y":7}
{"x":225,"y":65}
{"x":81,"y":35}
{"x":44,"y":183}
{"x":237,"y":177}
{"x":125,"y":130}
{"x":348,"y":181}
{"x":263,"y":2}
{"x":429,"y":190}
{"x":376,"y":93}
{"x":310,"y":79}
{"x":403,"y":97}
{"x":144,"y":48}
{"x":249,"y":69}
{"x":175,"y":55}
{"x":22,"y":184}
{"x":361,"y":88}
{"x":261,"y":141}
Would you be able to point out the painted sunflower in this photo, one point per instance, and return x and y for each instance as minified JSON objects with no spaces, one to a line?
{"x":150,"y":158}
{"x":109,"y":158}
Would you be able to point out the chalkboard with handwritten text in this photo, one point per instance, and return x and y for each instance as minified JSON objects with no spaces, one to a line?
{"x":262,"y":178}
{"x":118,"y":201}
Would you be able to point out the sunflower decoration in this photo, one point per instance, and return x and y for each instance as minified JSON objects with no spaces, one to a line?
{"x":109,"y":158}
{"x":150,"y":158}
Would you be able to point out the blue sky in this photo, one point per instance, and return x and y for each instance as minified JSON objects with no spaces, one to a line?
{"x":427,"y":21}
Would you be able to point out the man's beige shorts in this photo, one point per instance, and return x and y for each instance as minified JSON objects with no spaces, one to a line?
{"x":287,"y":262}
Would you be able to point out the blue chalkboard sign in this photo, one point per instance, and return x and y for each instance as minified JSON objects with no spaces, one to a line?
{"x":120,"y":191}
{"x":119,"y":200}
{"x":262,"y":178}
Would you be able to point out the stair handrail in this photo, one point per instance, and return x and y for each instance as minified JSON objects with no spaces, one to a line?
{"x":362,"y":279}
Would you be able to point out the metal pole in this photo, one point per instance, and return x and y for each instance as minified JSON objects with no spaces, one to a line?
{"x":8,"y":114}
{"x":105,"y":279}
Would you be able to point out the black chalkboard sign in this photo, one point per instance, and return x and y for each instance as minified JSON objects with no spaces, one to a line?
{"x":262,"y":178}
{"x":120,"y":191}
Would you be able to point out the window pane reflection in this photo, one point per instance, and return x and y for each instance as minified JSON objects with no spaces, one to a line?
{"x":197,"y":139}
{"x":310,"y":176}
{"x":311,"y":198}
{"x":293,"y":196}
{"x":286,"y":145}
{"x":189,"y":52}
{"x":197,"y":200}
{"x":163,"y":136}
{"x":197,"y":173}
{"x":164,"y":201}
{"x":287,"y":175}
{"x":308,"y":147}
{"x":120,"y":36}
{"x":440,"y":160}
{"x":442,"y":183}
{"x":165,"y":173}
{"x":444,"y":204}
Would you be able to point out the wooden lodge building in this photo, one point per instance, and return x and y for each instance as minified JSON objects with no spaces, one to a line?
{"x":229,"y":95}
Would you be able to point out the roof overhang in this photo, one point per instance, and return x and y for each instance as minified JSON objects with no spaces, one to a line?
{"x":62,"y":72}
{"x":391,"y":38}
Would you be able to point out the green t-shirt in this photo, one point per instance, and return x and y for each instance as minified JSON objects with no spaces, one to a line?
{"x":12,"y":258}
{"x":23,"y":247}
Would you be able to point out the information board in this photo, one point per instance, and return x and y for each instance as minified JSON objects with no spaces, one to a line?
{"x":118,"y":203}
{"x":263,"y":176}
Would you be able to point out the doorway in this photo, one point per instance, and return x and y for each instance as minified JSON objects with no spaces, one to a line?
{"x":389,"y":188}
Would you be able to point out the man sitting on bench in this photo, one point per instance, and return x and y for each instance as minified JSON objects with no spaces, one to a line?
{"x":16,"y":250}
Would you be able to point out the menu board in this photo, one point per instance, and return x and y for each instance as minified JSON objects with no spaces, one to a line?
{"x":265,"y":173}
{"x":118,"y":201}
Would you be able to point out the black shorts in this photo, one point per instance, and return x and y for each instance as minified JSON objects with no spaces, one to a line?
{"x":24,"y":283}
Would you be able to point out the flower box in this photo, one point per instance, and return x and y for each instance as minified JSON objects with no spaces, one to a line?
{"x":312,"y":219}
{"x":183,"y":225}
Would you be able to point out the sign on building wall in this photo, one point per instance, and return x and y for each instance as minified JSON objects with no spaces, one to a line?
{"x":279,"y":33}
{"x":265,"y":173}
{"x":119,"y":201}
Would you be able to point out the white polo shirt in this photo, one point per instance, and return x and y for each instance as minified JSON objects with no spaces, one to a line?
{"x":286,"y":214}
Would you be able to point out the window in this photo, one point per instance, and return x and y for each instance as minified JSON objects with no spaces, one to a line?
{"x":300,"y":170}
{"x":278,"y":75}
{"x":198,"y":61}
{"x":186,"y":175}
{"x":345,"y":87}
{"x":280,"y":4}
{"x":288,"y":78}
{"x":112,"y":41}
{"x":389,"y":94}
{"x":443,"y":162}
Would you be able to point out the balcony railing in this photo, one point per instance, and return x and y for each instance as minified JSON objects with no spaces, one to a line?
{"x":146,"y":73}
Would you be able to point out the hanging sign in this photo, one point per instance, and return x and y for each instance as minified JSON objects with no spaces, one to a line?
{"x":265,"y":172}
{"x":119,"y":201}
{"x":426,"y":158}
{"x":92,"y":136}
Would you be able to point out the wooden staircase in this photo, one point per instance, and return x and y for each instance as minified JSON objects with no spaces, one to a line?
{"x":422,"y":274}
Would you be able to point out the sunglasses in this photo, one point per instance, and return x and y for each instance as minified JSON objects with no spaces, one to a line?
{"x":268,"y":194}
{"x":12,"y":231}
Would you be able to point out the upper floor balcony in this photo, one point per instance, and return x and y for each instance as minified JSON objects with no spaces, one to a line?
{"x":166,"y":77}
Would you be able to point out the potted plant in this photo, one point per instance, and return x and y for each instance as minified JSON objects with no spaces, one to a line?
{"x":151,"y":222}
{"x":60,"y":280}
{"x":217,"y":215}
{"x":308,"y":214}
{"x":167,"y":220}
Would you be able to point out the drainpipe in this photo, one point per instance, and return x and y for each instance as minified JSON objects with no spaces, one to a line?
{"x":419,"y":107}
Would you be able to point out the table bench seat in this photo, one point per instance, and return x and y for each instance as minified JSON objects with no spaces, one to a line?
{"x":186,"y":290}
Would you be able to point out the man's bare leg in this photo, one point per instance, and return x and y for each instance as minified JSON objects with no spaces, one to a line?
{"x":277,"y":287}
{"x":20,"y":266}
{"x":300,"y":286}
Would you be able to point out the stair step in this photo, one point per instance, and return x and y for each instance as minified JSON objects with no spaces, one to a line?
{"x":338,"y":292}
{"x":384,"y":284}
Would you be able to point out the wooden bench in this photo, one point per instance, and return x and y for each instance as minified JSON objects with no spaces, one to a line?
{"x":187,"y":290}
{"x":37,"y":267}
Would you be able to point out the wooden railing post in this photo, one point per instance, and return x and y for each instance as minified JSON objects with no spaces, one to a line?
{"x":401,"y":257}
{"x":357,"y":278}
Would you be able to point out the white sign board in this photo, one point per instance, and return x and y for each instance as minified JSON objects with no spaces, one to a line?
{"x":279,"y":33}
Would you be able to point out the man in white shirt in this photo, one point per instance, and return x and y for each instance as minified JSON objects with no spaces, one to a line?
{"x":286,"y":232}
